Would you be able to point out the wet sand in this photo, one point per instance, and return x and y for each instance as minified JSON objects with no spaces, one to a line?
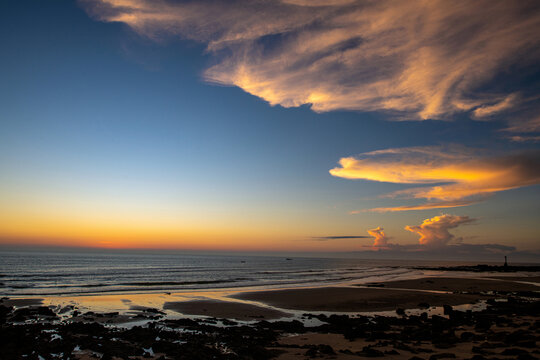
{"x":461,"y":284}
{"x":534,"y":279}
{"x":22,"y":302}
{"x":225,"y":309}
{"x":350,"y":299}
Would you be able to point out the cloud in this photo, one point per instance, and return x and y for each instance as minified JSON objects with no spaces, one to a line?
{"x":459,"y":176}
{"x":434,"y":231}
{"x":458,"y":252}
{"x":419,"y":59}
{"x":489,"y":110}
{"x":522,"y":138}
{"x":524,"y":130}
{"x":381,"y":240}
{"x":529,"y":125}
{"x":325,"y":238}
{"x":426,"y":206}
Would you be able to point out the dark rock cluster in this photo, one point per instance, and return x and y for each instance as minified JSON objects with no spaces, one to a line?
{"x":505,"y":329}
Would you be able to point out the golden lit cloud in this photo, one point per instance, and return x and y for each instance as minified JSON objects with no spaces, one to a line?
{"x":434,"y":231}
{"x":381,"y":240}
{"x":421,"y":59}
{"x":459,"y":176}
{"x":427,"y":206}
{"x":492,"y":109}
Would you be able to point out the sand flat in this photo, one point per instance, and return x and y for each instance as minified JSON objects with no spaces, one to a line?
{"x":20,"y":302}
{"x":352,"y":299}
{"x":460,"y":284}
{"x":224,"y":309}
{"x":534,"y":279}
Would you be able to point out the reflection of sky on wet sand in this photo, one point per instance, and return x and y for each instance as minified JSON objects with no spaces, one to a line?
{"x":133,"y":304}
{"x":130,"y":305}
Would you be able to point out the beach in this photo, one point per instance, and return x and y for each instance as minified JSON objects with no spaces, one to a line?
{"x":424,"y":318}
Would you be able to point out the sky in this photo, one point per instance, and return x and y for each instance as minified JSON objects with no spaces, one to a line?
{"x":292,"y":125}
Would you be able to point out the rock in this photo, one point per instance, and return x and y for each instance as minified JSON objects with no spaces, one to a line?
{"x":514,"y":351}
{"x":526,"y":344}
{"x":479,"y":350}
{"x":326,"y":349}
{"x":311,"y":352}
{"x":526,"y":357}
{"x":477,"y":357}
{"x":447,"y":309}
{"x":368,"y":351}
{"x":442,"y":356}
{"x":321,"y":349}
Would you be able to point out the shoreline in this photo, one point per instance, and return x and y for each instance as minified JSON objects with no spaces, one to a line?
{"x":344,"y":297}
{"x":455,"y":272}
{"x":395,"y":319}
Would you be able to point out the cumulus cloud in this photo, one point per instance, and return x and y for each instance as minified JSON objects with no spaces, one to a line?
{"x":381,"y":240}
{"x":420,"y":59}
{"x":459,"y":176}
{"x":434,"y":231}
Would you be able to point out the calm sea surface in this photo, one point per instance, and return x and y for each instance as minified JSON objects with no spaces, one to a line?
{"x":70,"y":273}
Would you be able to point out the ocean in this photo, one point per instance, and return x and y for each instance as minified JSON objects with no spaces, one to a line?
{"x":52,"y":273}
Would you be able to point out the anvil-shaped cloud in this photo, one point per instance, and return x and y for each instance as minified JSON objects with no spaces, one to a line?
{"x":461,"y":175}
{"x":420,"y":59}
{"x":434,"y":231}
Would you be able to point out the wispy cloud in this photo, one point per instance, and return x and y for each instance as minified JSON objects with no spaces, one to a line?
{"x":459,"y":252}
{"x":527,"y":125}
{"x":524,"y":129}
{"x":422,"y":59}
{"x":339,"y":237}
{"x":460,"y":176}
{"x":493,"y":109}
{"x":426,"y":206}
{"x":434,"y":231}
{"x":525,"y":138}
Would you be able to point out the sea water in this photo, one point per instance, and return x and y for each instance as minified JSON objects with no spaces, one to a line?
{"x":49,"y":273}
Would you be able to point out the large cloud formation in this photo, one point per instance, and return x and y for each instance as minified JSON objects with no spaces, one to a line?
{"x":380,"y":238}
{"x":460,"y":176}
{"x":434,"y":231}
{"x":420,"y":59}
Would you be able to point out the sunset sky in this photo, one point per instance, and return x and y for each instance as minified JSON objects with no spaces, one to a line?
{"x":292,"y":125}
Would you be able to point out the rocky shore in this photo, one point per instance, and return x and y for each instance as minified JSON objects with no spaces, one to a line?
{"x":508,"y":327}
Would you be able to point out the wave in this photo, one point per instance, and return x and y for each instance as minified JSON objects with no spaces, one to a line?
{"x":165,"y":283}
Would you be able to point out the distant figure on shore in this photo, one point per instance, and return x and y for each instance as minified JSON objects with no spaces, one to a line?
{"x":505,"y":263}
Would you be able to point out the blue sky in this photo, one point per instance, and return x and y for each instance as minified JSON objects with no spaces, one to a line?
{"x":104,"y":124}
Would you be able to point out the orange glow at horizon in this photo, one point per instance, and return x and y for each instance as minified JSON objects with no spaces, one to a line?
{"x":142,"y":231}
